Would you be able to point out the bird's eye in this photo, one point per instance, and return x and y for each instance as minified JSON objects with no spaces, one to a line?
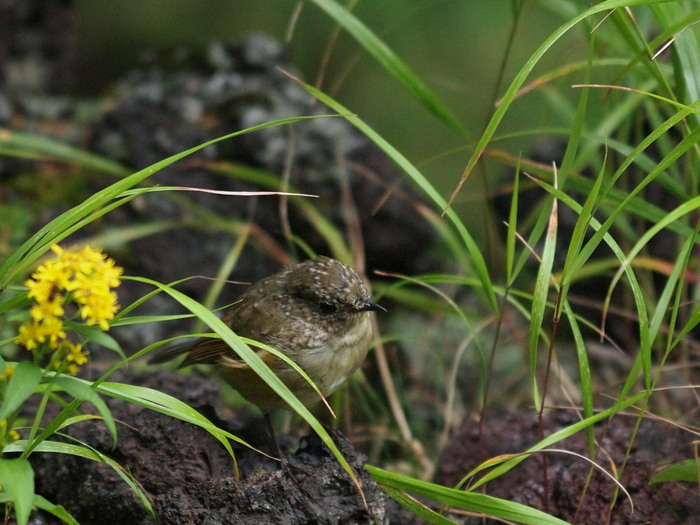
{"x":327,"y":308}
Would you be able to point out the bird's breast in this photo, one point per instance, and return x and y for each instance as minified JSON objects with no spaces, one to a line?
{"x":335,"y":361}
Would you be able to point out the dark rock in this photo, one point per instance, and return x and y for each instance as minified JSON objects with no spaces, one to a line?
{"x":577,"y":493}
{"x":190,"y":478}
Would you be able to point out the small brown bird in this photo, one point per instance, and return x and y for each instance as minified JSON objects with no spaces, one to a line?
{"x":315,"y":312}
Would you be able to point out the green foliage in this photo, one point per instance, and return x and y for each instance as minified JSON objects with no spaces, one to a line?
{"x":624,"y":208}
{"x":474,"y":502}
{"x":685,"y":471}
{"x":21,"y":380}
{"x":620,"y":206}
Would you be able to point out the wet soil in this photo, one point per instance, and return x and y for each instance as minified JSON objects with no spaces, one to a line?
{"x":574,"y":491}
{"x":189,"y":477}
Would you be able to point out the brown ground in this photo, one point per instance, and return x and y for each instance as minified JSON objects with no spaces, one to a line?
{"x":656,"y":444}
{"x":188,"y":475}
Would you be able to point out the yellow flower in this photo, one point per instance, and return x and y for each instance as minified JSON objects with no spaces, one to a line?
{"x":39,"y":289}
{"x":48,"y":279}
{"x":56,"y":248}
{"x":111,"y":273}
{"x":92,"y":288}
{"x":29,"y":335}
{"x":53,"y":330}
{"x":85,"y":277}
{"x":51,"y":308}
{"x":74,"y":356}
{"x":49,"y":330}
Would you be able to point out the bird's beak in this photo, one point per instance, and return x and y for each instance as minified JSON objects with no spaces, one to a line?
{"x":369,"y":306}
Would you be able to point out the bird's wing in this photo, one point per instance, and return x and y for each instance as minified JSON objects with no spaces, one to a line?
{"x":251,"y":318}
{"x":207,"y":350}
{"x":170,"y":351}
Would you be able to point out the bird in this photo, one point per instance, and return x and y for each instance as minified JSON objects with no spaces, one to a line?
{"x":316,"y":312}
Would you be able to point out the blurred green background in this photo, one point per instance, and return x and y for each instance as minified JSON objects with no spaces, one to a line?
{"x":458,"y":48}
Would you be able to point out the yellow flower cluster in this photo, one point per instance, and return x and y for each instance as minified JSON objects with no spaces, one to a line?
{"x":83,"y":277}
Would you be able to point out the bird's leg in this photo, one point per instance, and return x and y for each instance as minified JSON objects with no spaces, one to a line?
{"x":281,"y":454}
{"x":273,"y":437}
{"x":284,"y":459}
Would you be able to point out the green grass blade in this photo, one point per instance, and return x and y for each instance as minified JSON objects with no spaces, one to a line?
{"x":511,"y":235}
{"x":525,"y":71}
{"x":39,"y":243}
{"x":419,"y":179}
{"x":81,"y":391}
{"x":416,"y":507}
{"x":22,"y":384}
{"x":637,"y":293}
{"x":539,"y":298}
{"x":473,"y":502}
{"x":28,"y":145}
{"x":648,"y":337}
{"x":504,"y":464}
{"x":56,"y":447}
{"x":389,"y":61}
{"x":584,"y":369}
{"x":685,"y":45}
{"x":251,"y":358}
{"x":573,"y":262}
{"x":687,"y":470}
{"x":167,"y":405}
{"x":56,"y":510}
{"x":17,"y":479}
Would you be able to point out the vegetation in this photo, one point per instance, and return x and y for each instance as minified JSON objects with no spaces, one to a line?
{"x":595,"y":249}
